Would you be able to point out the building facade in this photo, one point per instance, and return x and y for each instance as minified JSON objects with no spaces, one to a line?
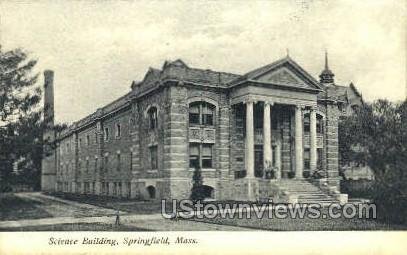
{"x":248,"y":134}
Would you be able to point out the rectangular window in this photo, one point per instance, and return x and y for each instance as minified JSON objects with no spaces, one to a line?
{"x":80,"y":143}
{"x":194,"y":114}
{"x":96,"y":164}
{"x":207,"y":115}
{"x":320,"y":124}
{"x":153,"y":157}
{"x":115,"y":189}
{"x":194,"y":155}
{"x":93,"y":188}
{"x":118,"y":162}
{"x":120,"y":189}
{"x":106,"y":134}
{"x":307,"y":159}
{"x":106,"y":164}
{"x":103,"y":188}
{"x":207,"y":156}
{"x":96,"y":138}
{"x":128,"y":184}
{"x":118,"y":130}
{"x":87,"y":140}
{"x":306,"y":123}
{"x":87,"y":165}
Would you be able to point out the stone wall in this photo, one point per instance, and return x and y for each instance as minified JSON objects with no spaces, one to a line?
{"x":331,"y":144}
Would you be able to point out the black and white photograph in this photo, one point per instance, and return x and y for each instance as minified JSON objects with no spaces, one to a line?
{"x":166,"y":126}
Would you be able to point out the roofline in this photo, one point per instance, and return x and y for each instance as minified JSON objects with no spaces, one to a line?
{"x":282,"y":86}
{"x":273,"y":65}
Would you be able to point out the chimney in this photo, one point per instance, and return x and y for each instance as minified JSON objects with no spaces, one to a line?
{"x":49,"y":98}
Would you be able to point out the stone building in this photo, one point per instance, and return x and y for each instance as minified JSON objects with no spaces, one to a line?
{"x":261,"y":134}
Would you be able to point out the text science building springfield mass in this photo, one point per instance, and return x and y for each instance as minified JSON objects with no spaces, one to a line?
{"x":264,"y":134}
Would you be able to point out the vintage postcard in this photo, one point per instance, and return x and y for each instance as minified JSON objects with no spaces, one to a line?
{"x":221,"y":127}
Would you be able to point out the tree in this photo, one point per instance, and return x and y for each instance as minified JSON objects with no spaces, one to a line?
{"x":197,"y":191}
{"x":20,"y":114}
{"x":377,"y":135}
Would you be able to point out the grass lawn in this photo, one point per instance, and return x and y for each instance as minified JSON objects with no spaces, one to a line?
{"x":306,"y":224}
{"x":16,"y":208}
{"x":76,"y":227}
{"x":122,"y":204}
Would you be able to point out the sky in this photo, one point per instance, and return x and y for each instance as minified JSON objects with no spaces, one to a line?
{"x":97,"y":48}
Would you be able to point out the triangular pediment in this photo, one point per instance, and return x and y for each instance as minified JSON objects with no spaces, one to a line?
{"x":282,"y":76}
{"x":284,"y":72}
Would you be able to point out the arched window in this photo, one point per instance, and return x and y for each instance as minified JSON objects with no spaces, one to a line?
{"x":151,"y":192}
{"x":201,"y":113}
{"x":208,"y":191}
{"x":152,"y":117}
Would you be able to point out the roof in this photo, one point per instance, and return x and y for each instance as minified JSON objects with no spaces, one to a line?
{"x":178,"y":70}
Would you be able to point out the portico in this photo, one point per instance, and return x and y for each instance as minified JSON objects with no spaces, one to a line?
{"x":267,"y":140}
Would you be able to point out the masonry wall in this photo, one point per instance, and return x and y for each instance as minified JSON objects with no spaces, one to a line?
{"x":117,"y":172}
{"x":331,"y":144}
{"x":87,"y":155}
{"x":143,"y":138}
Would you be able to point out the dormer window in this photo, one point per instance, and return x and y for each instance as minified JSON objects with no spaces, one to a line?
{"x":201,"y":113}
{"x":152,"y":117}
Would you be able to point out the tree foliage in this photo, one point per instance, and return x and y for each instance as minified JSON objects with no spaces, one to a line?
{"x":376,"y":134}
{"x":20,"y":117}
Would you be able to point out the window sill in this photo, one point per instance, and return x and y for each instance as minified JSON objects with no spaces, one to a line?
{"x":201,"y":126}
{"x":204,"y":169}
{"x":152,"y":171}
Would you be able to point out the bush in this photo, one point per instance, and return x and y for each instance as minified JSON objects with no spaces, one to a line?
{"x":197,"y":191}
{"x":358,"y":188}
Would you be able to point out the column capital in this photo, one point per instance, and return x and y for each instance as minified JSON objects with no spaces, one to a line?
{"x":300,"y":106}
{"x":268,"y":102}
{"x":249,"y":101}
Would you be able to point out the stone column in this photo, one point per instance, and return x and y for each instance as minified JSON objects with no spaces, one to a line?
{"x":267,"y":150}
{"x":249,"y":150}
{"x":299,"y":164}
{"x":313,"y":140}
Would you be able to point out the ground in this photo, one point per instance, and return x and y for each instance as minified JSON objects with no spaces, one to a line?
{"x":39,"y":212}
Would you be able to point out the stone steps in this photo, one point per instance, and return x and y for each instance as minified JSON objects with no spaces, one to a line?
{"x":306,"y":191}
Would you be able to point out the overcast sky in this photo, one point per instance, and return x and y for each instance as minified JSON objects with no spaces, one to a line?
{"x":98,"y":48}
